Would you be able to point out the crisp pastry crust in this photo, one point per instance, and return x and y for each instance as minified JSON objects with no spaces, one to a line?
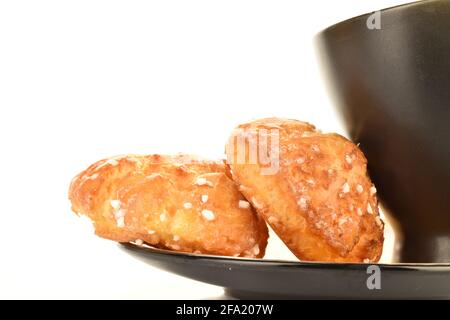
{"x":321,"y":201}
{"x":179,"y":202}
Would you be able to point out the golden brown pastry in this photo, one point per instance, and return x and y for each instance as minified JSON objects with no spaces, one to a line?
{"x":172,"y":202}
{"x":312,"y":189}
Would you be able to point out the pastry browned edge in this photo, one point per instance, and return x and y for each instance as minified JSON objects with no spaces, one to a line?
{"x":179,"y":203}
{"x":320,"y":200}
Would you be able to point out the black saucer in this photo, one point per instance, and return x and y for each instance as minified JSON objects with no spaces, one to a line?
{"x":272,"y":279}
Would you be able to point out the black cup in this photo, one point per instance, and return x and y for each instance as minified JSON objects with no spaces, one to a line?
{"x":389,"y":75}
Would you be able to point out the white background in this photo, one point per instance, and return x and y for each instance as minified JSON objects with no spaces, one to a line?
{"x":83,"y":80}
